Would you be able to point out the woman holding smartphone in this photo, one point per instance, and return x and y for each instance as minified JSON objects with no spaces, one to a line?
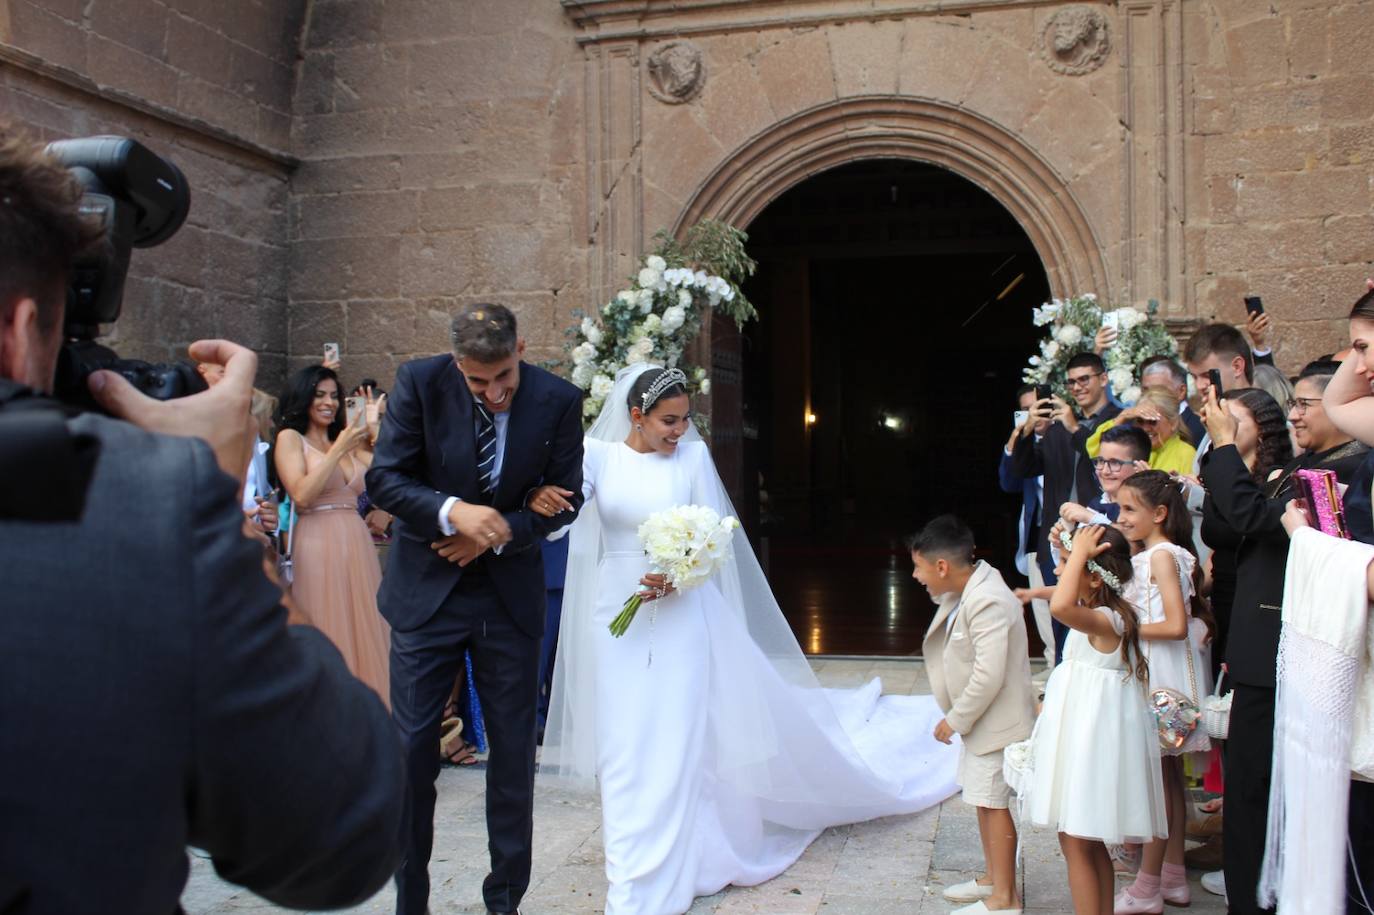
{"x":321,"y":455}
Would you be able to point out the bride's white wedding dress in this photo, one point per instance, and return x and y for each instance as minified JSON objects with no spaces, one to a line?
{"x":718,"y":757}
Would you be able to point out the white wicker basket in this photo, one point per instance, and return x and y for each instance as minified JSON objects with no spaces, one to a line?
{"x":1216,"y":711}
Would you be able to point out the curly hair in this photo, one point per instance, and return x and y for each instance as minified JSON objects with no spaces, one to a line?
{"x":1275,"y":448}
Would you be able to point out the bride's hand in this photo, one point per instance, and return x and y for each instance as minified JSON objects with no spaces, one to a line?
{"x":658,"y":587}
{"x":549,"y":501}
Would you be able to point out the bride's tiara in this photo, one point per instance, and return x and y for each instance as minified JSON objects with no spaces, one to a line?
{"x":668,"y":379}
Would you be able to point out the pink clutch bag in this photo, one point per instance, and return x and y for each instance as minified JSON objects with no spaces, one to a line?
{"x":1319,"y":489}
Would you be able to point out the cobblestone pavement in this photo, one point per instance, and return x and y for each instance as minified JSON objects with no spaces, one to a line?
{"x":883,"y":867}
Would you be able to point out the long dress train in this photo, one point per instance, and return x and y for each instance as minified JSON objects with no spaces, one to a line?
{"x":680,"y":817}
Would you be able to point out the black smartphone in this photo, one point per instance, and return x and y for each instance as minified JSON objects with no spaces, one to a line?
{"x":1043,"y":392}
{"x":1253,"y":305}
{"x":1214,"y":376}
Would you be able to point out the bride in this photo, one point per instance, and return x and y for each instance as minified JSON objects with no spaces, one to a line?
{"x":718,"y":755}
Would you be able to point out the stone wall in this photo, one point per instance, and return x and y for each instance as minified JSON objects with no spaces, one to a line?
{"x":1190,"y":151}
{"x":209,"y":85}
{"x":1281,"y":164}
{"x":442,"y":149}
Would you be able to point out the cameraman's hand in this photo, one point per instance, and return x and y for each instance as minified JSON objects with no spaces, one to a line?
{"x":219,"y":416}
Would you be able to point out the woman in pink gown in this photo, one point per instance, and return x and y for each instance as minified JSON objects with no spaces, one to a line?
{"x":321,"y":460}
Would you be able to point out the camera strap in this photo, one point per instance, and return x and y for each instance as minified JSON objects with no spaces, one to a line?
{"x":45,"y":468}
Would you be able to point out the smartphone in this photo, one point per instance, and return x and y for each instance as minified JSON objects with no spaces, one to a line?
{"x":1253,"y":305}
{"x":1043,"y":392}
{"x":1111,"y":320}
{"x":1214,"y":376}
{"x":1018,"y":419}
{"x":355,"y":406}
{"x":331,"y":352}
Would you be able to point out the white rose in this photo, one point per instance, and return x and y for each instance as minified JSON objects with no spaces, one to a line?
{"x":1120,"y":378}
{"x":582,"y":375}
{"x":729,"y":293}
{"x":1091,"y":297}
{"x":1130,"y":395}
{"x":705,"y":386}
{"x":582,"y":353}
{"x":646,"y":301}
{"x":1050,"y":350}
{"x":673,"y":318}
{"x":1131,"y":318}
{"x":594,"y":335}
{"x":591,"y":406}
{"x":649,"y":278}
{"x":652,"y":324}
{"x":656,"y":262}
{"x":701,"y":279}
{"x":699,"y":374}
{"x":1034,"y":360}
{"x":684,"y":298}
{"x":601,"y":387}
{"x":1069,"y":334}
{"x":627,"y":296}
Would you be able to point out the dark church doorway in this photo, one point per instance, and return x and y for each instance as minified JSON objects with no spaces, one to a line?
{"x":875,"y":392}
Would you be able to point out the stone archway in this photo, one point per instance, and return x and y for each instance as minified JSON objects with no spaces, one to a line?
{"x":951,"y":137}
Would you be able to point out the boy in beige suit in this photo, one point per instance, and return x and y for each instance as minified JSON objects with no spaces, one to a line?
{"x":979,"y":666}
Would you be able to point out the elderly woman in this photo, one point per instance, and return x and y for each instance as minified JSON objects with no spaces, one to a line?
{"x":1156,"y":414}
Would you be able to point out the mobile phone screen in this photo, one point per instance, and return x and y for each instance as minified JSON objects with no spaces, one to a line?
{"x":1214,"y":376}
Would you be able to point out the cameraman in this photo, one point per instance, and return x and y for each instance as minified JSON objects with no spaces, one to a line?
{"x":151,"y":692}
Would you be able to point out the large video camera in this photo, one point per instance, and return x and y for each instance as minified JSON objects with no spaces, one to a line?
{"x":140,"y":200}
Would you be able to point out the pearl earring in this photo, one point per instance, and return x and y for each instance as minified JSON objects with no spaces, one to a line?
{"x":638,"y":427}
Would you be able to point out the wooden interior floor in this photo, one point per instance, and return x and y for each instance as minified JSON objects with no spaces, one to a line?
{"x":854,"y":600}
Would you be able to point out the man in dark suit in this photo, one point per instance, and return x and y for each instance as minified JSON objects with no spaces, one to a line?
{"x":1060,"y":457}
{"x":152,"y":693}
{"x":1255,"y":514}
{"x":1028,"y":527}
{"x":467,"y":436}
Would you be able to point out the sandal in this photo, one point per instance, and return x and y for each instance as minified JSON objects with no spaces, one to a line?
{"x":465,"y":755}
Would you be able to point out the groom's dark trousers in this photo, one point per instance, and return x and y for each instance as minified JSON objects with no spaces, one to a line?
{"x":493,"y":607}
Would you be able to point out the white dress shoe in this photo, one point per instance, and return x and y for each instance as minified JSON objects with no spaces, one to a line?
{"x":969,"y":891}
{"x":979,"y":908}
{"x":1215,"y":883}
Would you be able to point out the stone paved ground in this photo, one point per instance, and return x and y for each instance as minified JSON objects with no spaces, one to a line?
{"x":884,"y":867}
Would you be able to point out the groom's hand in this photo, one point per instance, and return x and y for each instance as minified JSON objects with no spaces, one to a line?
{"x":459,"y":548}
{"x":481,"y":523}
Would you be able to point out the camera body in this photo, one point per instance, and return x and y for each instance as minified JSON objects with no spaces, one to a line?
{"x":140,"y":200}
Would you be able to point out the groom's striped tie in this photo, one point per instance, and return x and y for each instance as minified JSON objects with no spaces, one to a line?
{"x":486,"y":448}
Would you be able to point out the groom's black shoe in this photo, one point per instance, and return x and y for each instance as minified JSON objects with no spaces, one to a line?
{"x":494,"y":912}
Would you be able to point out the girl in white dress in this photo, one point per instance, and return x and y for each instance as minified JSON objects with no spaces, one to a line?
{"x":1097,"y":776}
{"x":717,"y":755}
{"x":1175,"y":631}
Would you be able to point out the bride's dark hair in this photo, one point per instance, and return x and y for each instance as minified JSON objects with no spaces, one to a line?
{"x":647,"y":380}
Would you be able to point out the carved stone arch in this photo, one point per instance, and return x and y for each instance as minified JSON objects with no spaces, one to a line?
{"x":883,"y":127}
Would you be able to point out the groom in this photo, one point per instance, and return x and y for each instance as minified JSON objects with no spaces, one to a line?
{"x":466,"y":437}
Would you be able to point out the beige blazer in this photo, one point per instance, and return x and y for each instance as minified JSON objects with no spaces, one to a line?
{"x":980,"y":670}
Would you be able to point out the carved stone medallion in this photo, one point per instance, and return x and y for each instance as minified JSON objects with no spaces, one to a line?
{"x":1075,"y":40}
{"x":677,"y":72}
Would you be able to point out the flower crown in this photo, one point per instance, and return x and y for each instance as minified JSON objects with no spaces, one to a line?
{"x":1108,"y":578}
{"x":662,"y":383}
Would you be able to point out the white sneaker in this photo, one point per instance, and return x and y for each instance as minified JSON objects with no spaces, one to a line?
{"x":969,"y":891}
{"x":1215,"y":883}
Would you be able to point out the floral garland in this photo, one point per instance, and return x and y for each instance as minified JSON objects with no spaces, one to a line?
{"x":1074,"y":323}
{"x":658,"y":316}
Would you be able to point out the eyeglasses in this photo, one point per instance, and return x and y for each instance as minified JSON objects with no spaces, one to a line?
{"x":1081,"y":381}
{"x":1111,"y":465}
{"x":1301,"y":405}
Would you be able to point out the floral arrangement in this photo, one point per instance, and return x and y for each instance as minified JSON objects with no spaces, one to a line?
{"x":660,"y":313}
{"x":1073,"y":326}
{"x":686,"y":545}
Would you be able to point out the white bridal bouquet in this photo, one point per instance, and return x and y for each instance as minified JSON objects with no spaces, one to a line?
{"x":686,"y":545}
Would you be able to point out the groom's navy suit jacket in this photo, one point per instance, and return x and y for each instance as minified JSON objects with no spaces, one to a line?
{"x":427,"y":452}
